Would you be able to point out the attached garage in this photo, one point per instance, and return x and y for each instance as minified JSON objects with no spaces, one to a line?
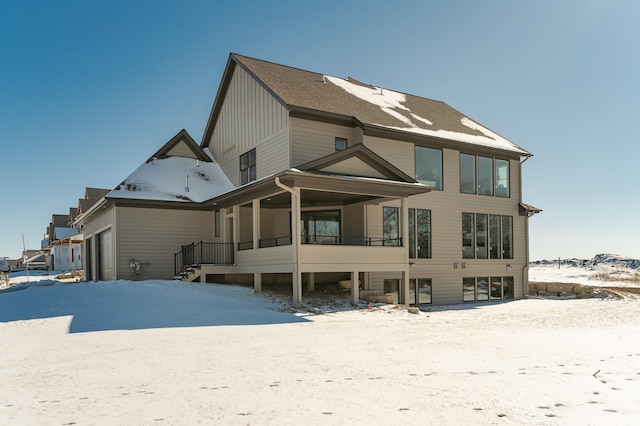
{"x":104,"y":255}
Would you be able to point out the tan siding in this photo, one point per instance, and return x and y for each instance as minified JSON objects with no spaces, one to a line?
{"x":181,"y":150}
{"x":152,"y":236}
{"x":400,"y":154}
{"x":351,"y":255}
{"x":355,"y":167}
{"x":446,"y":209}
{"x":272,"y":259}
{"x":311,"y":140}
{"x":250,"y":118}
{"x":99,"y":222}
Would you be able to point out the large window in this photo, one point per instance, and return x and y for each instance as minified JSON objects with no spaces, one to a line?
{"x":420,"y":291}
{"x":390,"y":226}
{"x":419,"y":233}
{"x":468,"y":173}
{"x":429,"y":166}
{"x":482,"y":289}
{"x":320,"y":227}
{"x":248,"y":167}
{"x":487,"y":236}
{"x":484,"y":175}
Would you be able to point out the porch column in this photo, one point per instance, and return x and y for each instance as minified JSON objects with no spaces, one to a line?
{"x":404,"y":284}
{"x":311,"y":285}
{"x":355,"y":287}
{"x":404,"y":222}
{"x":404,"y":288}
{"x":295,"y":240}
{"x":255,"y":211}
{"x":70,"y":255}
{"x":257,"y":282}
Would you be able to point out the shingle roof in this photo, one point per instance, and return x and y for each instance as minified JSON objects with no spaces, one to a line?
{"x":365,"y":105}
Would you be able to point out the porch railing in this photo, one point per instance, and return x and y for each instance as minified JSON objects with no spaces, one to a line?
{"x":331,"y":240}
{"x":337,"y":240}
{"x":195,"y":254}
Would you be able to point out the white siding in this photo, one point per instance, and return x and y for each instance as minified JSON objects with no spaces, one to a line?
{"x":250,"y":118}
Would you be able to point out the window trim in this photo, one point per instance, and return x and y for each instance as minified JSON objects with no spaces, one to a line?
{"x":414,"y":234}
{"x":505,"y":245}
{"x":494,"y":190}
{"x":439,"y":182}
{"x":340,"y":139}
{"x":250,"y":160}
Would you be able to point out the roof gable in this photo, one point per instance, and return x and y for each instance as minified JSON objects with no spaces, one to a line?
{"x":310,"y":93}
{"x":357,"y":160}
{"x":181,"y":145}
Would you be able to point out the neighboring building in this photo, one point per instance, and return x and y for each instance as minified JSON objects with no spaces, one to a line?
{"x":335,"y":180}
{"x":133,"y":231}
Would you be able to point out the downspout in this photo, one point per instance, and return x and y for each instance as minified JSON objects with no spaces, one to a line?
{"x":525,"y":268}
{"x":295,"y":223}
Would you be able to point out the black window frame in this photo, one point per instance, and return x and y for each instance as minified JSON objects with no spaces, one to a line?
{"x":248,"y":167}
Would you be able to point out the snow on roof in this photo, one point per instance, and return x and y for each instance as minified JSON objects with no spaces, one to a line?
{"x":391,"y":102}
{"x":174,"y":179}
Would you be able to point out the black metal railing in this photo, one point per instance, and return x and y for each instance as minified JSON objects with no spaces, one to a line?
{"x":337,"y":240}
{"x":196,"y":254}
{"x":275,"y":242}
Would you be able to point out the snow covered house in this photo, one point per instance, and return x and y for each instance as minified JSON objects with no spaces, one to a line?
{"x":332,"y":181}
{"x":133,"y":231}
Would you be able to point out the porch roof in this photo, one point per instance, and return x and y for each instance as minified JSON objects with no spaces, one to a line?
{"x":338,"y":189}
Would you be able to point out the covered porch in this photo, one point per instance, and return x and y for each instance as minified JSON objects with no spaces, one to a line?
{"x":299,"y":224}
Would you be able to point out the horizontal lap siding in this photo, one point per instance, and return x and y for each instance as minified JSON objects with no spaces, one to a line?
{"x":400,"y":154}
{"x":353,"y":256}
{"x":312,"y":139}
{"x":250,"y":118}
{"x":446,"y":208}
{"x":272,"y":259}
{"x":153,"y":236}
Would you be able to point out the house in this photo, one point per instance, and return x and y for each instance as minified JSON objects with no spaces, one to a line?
{"x":133,"y":231}
{"x":335,"y":181}
{"x":405,"y":195}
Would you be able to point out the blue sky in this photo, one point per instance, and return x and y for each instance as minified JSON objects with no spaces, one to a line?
{"x":89,"y":90}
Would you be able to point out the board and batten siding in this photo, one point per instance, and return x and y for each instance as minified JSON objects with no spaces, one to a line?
{"x":446,"y":208}
{"x":152,"y":236}
{"x":311,"y":140}
{"x":250,"y":117}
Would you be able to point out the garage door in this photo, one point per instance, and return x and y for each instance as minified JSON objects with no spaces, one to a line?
{"x":105,"y":255}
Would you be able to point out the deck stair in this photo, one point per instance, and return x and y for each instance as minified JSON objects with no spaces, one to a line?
{"x":189,"y":274}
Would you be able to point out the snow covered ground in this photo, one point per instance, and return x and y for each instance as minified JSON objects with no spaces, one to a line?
{"x":603,"y":270}
{"x":159,"y":352}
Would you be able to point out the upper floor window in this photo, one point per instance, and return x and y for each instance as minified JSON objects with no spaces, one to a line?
{"x":248,"y":167}
{"x":484,"y":175}
{"x":429,"y":166}
{"x":419,"y":233}
{"x":341,"y":144}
